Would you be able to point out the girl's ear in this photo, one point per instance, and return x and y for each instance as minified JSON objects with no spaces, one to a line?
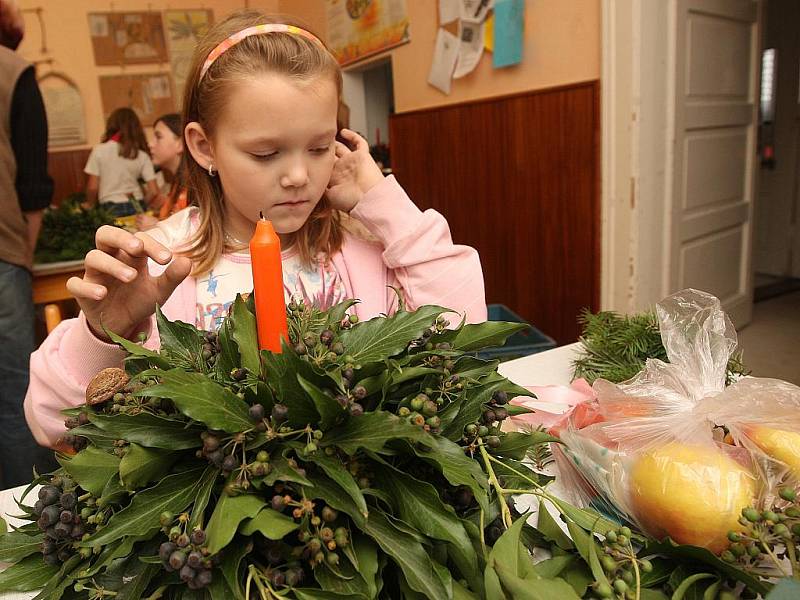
{"x":199,"y":145}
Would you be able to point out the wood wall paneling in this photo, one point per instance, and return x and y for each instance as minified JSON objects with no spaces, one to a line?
{"x":66,"y":169}
{"x":516,"y":177}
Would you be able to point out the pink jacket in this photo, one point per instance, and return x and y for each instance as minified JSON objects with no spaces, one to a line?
{"x":415,"y":253}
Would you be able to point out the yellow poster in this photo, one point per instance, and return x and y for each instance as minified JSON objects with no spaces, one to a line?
{"x":360,"y":28}
{"x":184,"y":29}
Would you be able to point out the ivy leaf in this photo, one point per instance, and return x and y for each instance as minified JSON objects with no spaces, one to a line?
{"x":371,"y":431}
{"x":697,"y":555}
{"x":410,"y":556}
{"x":102,"y":440}
{"x":229,"y":357}
{"x":476,"y":336}
{"x":270,"y":523}
{"x":551,"y":530}
{"x":315,"y":594}
{"x":201,"y":502}
{"x":142,"y":465}
{"x":419,"y":505}
{"x":334,"y":496}
{"x":383,"y":337}
{"x":16,"y":545}
{"x":29,"y":574}
{"x":148,"y":430}
{"x":246,"y":335}
{"x":137,"y":350}
{"x":178,"y":339}
{"x":231,"y":559}
{"x":328,"y":408}
{"x":91,"y":468}
{"x":456,"y":467}
{"x":201,"y":399}
{"x":515,"y":444}
{"x":174,"y":494}
{"x":335,"y":470}
{"x":282,"y":372}
{"x":229,"y":512}
{"x":282,"y":471}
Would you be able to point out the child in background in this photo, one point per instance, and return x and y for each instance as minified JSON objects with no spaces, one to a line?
{"x":260,"y":107}
{"x":116,"y":165}
{"x":167,"y":153}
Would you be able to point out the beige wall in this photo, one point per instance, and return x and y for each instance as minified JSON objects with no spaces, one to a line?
{"x":562,"y":45}
{"x":70,"y":46}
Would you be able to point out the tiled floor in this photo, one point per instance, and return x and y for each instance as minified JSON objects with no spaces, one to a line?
{"x":771,"y":342}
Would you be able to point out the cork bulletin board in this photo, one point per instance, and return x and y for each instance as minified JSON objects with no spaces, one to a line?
{"x":149,"y":94}
{"x":124,"y":38}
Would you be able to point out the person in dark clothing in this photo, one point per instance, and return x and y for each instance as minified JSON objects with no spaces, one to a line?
{"x":25,"y":191}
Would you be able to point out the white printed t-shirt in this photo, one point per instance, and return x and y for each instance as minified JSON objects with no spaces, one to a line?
{"x":216,"y":290}
{"x":118,"y":176}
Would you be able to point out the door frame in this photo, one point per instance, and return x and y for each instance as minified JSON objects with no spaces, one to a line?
{"x":637,"y":121}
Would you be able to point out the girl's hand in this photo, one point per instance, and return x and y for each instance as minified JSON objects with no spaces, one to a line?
{"x":117,"y":291}
{"x":354,"y":172}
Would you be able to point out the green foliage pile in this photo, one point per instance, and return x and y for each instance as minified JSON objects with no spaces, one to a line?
{"x":615,"y":347}
{"x":68,"y":231}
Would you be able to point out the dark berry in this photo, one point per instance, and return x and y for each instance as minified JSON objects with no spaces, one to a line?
{"x":500,"y":397}
{"x":204,"y":578}
{"x":182,"y":541}
{"x":500,"y":413}
{"x":49,"y":516}
{"x":68,"y":500}
{"x":256,"y":412}
{"x":278,"y":503}
{"x":329,"y":515}
{"x":177,"y":559}
{"x":359,"y":392}
{"x":38,"y":507}
{"x":230,"y":463}
{"x":294,"y":577}
{"x":356,"y":409}
{"x":52,"y":559}
{"x":278,"y":578}
{"x":210,"y":443}
{"x":239,"y":374}
{"x":66,"y":516}
{"x":187,"y":573}
{"x":198,"y":537}
{"x":63,"y":530}
{"x":326,"y":337}
{"x":48,"y":546}
{"x":49,"y":494}
{"x":195,"y":560}
{"x":280,"y":412}
{"x":216,"y":457}
{"x":165,"y":550}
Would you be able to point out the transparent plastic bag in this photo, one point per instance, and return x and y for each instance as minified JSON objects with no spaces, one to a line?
{"x":650,"y":450}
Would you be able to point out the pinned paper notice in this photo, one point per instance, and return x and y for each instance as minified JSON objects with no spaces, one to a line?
{"x":475,"y":10}
{"x":509,"y":19}
{"x":449,"y":11}
{"x":471,"y":48}
{"x":445,"y":54}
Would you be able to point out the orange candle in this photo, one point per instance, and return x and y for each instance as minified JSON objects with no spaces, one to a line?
{"x":265,"y":257}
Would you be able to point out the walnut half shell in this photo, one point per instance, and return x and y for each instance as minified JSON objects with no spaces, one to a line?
{"x":105,"y":384}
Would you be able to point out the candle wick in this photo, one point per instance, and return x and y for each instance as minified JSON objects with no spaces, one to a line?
{"x":261,"y":215}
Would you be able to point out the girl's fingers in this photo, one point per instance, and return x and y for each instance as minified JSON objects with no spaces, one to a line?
{"x":153,"y":249}
{"x":82,"y":289}
{"x":112,"y":239}
{"x":341,"y":150}
{"x":176,"y":272}
{"x":100,"y":263}
{"x":355,"y":140}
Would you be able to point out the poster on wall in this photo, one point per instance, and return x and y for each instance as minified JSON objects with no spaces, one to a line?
{"x":150,"y":95}
{"x":124,"y":38}
{"x":361,"y":28}
{"x":184,"y":30}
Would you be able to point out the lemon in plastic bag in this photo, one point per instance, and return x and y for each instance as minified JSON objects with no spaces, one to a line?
{"x":691,"y":493}
{"x":779,"y":444}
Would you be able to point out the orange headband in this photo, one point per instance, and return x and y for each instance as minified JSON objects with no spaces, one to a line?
{"x":254,"y":30}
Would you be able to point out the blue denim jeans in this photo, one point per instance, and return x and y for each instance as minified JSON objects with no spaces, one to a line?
{"x":120,"y":209}
{"x":19,"y":452}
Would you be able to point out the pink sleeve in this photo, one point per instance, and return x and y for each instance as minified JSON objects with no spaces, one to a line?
{"x":60,"y":371}
{"x":420,"y":252}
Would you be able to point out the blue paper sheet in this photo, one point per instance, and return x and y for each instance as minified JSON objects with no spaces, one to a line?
{"x":509,"y":20}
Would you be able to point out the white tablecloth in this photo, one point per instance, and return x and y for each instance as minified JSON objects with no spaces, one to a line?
{"x":553,"y":367}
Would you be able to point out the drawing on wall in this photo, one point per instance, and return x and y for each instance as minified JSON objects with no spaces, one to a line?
{"x":361,"y":28}
{"x":184,"y":30}
{"x":63,"y":104}
{"x":121,"y":38}
{"x":150,"y":95}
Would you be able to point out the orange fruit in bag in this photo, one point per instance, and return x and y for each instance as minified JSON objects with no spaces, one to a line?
{"x":779,"y":444}
{"x":693,"y":494}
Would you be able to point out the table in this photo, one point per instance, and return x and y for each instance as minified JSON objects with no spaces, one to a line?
{"x":552,"y":367}
{"x":50,"y":287}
